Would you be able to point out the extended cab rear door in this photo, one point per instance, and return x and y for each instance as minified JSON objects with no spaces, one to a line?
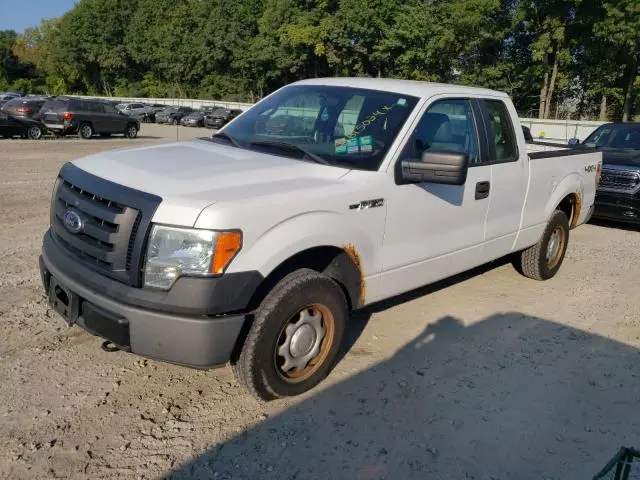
{"x":508,"y":160}
{"x":436,"y":230}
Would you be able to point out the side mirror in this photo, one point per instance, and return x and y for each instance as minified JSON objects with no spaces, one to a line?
{"x":449,"y":168}
{"x":574,"y":141}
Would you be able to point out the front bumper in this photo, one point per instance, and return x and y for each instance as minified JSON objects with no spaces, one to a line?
{"x":617,"y":207}
{"x":155,"y":331}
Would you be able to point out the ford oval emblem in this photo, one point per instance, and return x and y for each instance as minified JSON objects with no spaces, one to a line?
{"x":73,"y":221}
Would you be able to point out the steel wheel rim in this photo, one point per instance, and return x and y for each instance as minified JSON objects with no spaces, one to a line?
{"x":131,"y":132}
{"x":297,"y":345}
{"x":555,"y":246}
{"x":35,"y":133}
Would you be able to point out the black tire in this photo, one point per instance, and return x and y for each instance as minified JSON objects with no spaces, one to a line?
{"x":131,"y":131}
{"x":537,"y":262}
{"x":257,"y":366}
{"x":85,"y":130}
{"x":34,"y":132}
{"x":105,"y":135}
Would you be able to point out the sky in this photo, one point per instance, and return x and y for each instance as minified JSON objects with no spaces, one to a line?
{"x":18,"y":15}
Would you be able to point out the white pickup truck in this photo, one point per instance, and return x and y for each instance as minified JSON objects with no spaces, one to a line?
{"x":253,"y":245}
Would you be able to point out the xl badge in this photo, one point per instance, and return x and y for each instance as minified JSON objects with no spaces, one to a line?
{"x":73,"y":221}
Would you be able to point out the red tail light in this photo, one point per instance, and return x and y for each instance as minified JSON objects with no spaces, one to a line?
{"x":67,"y":115}
{"x":24,"y":110}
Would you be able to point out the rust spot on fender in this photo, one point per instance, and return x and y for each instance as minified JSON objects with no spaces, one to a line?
{"x":577,"y":207}
{"x":350,"y":250}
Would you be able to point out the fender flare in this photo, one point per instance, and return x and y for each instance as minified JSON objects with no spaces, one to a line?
{"x":288,"y":239}
{"x":569,"y":185}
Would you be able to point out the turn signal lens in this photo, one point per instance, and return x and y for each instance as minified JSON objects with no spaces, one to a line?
{"x":228,"y":244}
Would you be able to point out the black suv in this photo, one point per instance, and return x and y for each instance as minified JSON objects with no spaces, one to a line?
{"x":219,"y":118}
{"x":64,"y":115}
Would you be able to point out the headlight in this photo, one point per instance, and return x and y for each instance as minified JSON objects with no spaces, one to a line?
{"x":176,"y":252}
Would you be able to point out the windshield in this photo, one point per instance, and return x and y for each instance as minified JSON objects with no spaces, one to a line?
{"x":615,"y":136}
{"x":341,"y":126}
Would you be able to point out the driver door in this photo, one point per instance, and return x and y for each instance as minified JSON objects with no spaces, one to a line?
{"x":434,"y":230}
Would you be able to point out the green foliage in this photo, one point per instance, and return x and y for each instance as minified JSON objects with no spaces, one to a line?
{"x":553,"y":56}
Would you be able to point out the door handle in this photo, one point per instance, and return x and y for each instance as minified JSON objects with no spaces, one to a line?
{"x":482,"y":190}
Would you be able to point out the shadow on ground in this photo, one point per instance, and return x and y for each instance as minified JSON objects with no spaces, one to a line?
{"x":629,"y":227}
{"x":511,"y":397}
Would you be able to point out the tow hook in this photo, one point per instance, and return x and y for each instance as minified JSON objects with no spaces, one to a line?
{"x":109,"y":346}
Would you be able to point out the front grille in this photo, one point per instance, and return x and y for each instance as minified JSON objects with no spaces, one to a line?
{"x":113,"y":218}
{"x":621,"y":180}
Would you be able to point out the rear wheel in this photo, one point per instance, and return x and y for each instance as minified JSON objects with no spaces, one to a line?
{"x":295,"y":337}
{"x":543,"y":260}
{"x":85,"y":131}
{"x":34,"y":132}
{"x":131,"y":131}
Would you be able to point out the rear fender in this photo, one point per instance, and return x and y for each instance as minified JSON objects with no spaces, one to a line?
{"x":571,"y":184}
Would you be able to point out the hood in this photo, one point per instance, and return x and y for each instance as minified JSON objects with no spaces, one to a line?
{"x":189,"y":176}
{"x":611,"y":156}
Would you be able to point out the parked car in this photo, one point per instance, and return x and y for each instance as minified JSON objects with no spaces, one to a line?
{"x":24,"y":107}
{"x":195,"y":119}
{"x":24,"y":127}
{"x":220,"y":117}
{"x":618,"y":196}
{"x":142,"y":112}
{"x":64,"y":115}
{"x":158,"y":107}
{"x":6,"y":96}
{"x":253,"y":247}
{"x":173,"y":115}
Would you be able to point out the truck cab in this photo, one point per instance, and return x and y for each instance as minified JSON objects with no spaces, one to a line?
{"x":253,"y":246}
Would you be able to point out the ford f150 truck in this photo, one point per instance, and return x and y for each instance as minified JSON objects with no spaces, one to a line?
{"x":252,"y":246}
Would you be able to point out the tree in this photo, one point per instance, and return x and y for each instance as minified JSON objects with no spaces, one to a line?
{"x":619,"y":30}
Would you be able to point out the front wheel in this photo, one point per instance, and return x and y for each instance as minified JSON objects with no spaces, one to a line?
{"x":295,"y":337}
{"x":543,"y":260}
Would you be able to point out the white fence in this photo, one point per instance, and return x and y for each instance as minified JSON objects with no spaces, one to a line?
{"x":559,"y":130}
{"x":185,"y":102}
{"x":549,"y":130}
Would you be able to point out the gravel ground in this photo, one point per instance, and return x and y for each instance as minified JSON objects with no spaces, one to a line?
{"x":486,"y":376}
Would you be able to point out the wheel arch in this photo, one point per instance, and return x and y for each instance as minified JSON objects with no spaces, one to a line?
{"x":567,"y":197}
{"x":342,"y":264}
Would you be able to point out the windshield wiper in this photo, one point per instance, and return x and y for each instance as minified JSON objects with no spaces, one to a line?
{"x":290,"y":147}
{"x":226,"y":136}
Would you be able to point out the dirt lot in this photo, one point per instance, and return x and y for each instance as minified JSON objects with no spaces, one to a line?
{"x":487,"y":376}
